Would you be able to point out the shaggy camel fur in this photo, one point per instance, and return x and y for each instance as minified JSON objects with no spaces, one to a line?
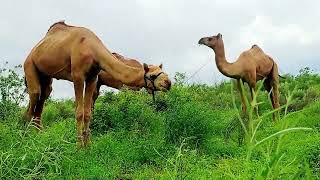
{"x":104,"y":78}
{"x":76,"y":54}
{"x":251,"y":66}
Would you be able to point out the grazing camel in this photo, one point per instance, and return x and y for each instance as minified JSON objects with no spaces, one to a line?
{"x":76,"y":54}
{"x":104,"y":78}
{"x":251,"y":66}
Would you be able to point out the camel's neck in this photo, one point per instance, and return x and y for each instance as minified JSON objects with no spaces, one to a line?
{"x":106,"y":79}
{"x":223,"y":65}
{"x":131,"y":76}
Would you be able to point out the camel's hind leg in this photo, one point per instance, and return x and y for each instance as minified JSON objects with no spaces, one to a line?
{"x":268,"y":88}
{"x":33,"y":86}
{"x":95,"y":94}
{"x":46,"y":89}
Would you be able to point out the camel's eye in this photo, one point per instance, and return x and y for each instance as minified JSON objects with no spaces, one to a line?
{"x":209,"y":39}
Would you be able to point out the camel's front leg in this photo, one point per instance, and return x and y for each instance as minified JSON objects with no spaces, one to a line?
{"x":78,"y":82}
{"x":90,"y":88}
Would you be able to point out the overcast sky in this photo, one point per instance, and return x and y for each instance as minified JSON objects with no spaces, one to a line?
{"x":167,"y":31}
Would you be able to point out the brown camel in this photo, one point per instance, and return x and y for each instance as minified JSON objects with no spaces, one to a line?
{"x":104,"y":78}
{"x":251,"y":66}
{"x":77,"y":54}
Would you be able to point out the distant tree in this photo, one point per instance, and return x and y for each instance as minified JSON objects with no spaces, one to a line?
{"x":180,"y":78}
{"x":12,"y":88}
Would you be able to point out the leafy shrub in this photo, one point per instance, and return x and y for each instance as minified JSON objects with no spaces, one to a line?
{"x":181,"y":136}
{"x":12,"y":92}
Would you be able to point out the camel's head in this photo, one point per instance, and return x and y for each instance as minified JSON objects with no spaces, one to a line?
{"x":156,"y":79}
{"x":210,"y":41}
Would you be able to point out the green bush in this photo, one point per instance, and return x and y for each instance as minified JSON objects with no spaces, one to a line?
{"x":55,"y":111}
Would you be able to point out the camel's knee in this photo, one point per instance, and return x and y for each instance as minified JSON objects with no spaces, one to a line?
{"x":87,"y":115}
{"x":79,"y":116}
{"x":244,"y":109}
{"x":34,"y":92}
{"x":276,"y":105}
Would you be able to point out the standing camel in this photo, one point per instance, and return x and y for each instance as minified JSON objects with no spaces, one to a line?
{"x":104,"y":78}
{"x":76,"y":54}
{"x":251,"y":66}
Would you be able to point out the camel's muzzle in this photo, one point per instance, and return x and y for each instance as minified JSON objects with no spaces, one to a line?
{"x":168,"y":83}
{"x":201,"y":41}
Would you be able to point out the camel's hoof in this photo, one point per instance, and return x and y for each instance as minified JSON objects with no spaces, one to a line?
{"x":26,"y":118}
{"x":86,"y":138}
{"x":87,"y":143}
{"x":80,"y":143}
{"x":38,"y":124}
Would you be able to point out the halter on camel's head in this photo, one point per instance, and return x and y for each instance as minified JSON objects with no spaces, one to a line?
{"x":155,"y":79}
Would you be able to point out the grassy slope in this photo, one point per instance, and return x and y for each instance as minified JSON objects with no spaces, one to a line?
{"x":182,"y":137}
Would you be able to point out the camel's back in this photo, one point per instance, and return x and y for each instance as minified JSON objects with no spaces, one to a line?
{"x":52,"y":54}
{"x":60,"y":30}
{"x":127,"y":61}
{"x":61,"y":36}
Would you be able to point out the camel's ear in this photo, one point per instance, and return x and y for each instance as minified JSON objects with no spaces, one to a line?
{"x":219,"y":35}
{"x":160,"y":66}
{"x":145,"y":67}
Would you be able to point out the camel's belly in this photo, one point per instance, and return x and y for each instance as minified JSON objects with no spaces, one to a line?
{"x":54,"y":69}
{"x":64,"y":74}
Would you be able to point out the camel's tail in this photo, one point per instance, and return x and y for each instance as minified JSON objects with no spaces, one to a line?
{"x":26,"y":84}
{"x":282,"y":77}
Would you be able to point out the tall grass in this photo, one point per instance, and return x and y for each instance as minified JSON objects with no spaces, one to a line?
{"x":251,"y":127}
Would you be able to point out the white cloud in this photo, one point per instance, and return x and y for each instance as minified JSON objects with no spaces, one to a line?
{"x":167,"y":31}
{"x":263,"y":29}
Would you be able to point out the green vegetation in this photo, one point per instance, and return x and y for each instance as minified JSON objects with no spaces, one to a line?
{"x":192,"y":132}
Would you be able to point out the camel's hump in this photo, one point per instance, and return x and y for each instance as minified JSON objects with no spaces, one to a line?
{"x":59,"y":25}
{"x":255,"y":46}
{"x":256,"y":49}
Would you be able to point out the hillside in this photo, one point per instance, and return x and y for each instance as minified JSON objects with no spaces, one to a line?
{"x":191,"y":132}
